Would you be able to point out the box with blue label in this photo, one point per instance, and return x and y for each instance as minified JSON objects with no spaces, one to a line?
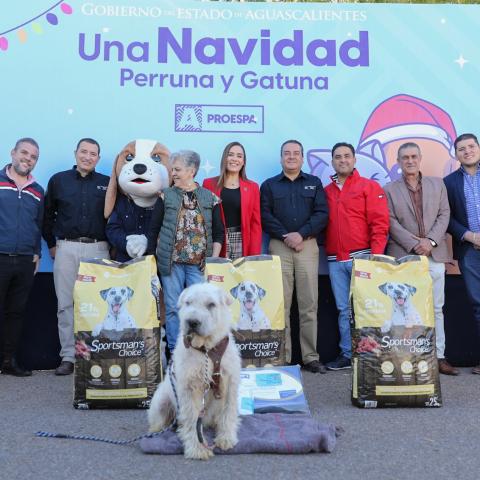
{"x":271,"y":389}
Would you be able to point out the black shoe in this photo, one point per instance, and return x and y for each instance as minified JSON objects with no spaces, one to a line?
{"x":65,"y":368}
{"x":340,"y":363}
{"x":315,"y":367}
{"x":13,"y":368}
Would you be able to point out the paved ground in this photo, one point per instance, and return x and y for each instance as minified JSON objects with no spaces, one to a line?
{"x":391,"y":444}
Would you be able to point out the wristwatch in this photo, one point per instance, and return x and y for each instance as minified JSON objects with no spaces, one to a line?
{"x":433,"y":242}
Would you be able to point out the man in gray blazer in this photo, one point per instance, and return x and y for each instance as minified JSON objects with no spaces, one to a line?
{"x":419,"y":216}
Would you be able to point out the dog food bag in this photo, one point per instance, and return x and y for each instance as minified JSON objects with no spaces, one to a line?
{"x":117,"y":333}
{"x":393,"y":338}
{"x":255,"y":285}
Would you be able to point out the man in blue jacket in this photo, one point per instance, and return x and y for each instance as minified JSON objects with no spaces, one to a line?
{"x":463,"y":188}
{"x":21,"y":214}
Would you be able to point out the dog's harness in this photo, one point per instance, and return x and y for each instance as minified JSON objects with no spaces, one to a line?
{"x":215,"y":354}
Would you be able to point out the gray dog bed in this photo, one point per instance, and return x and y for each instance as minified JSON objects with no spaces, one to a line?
{"x":261,"y":433}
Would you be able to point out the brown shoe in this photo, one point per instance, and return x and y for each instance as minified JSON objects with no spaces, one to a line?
{"x":65,"y":368}
{"x":476,"y":369}
{"x":445,"y":368}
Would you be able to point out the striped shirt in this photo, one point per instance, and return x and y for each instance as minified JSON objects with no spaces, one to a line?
{"x":471,"y":189}
{"x":351,"y":255}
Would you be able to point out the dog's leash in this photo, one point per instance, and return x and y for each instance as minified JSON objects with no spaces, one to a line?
{"x":199,"y":425}
{"x":173,"y":379}
{"x":200,"y":436}
{"x":94,"y":438}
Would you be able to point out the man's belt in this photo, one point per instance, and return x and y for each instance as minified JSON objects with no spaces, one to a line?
{"x":82,"y":240}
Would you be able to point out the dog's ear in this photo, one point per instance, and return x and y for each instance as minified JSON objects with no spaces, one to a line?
{"x":261,"y":291}
{"x":130,"y":293}
{"x":234,"y":291}
{"x":411,"y":288}
{"x":180,"y":299}
{"x":383,"y":288}
{"x":104,"y":293}
{"x":226,"y":298}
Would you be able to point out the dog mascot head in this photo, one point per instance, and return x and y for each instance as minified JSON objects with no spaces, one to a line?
{"x":141,"y":170}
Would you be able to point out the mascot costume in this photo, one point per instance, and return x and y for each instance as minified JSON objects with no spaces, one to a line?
{"x":140,"y":172}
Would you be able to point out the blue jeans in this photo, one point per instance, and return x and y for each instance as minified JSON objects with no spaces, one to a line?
{"x":340,"y":273}
{"x":180,"y":277}
{"x":470,"y":268}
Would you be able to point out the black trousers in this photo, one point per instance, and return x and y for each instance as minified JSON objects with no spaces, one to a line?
{"x":16,"y":280}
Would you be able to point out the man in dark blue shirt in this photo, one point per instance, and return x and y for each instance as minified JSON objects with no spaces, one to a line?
{"x":294,"y":212}
{"x":21,"y":214}
{"x":74,"y":229}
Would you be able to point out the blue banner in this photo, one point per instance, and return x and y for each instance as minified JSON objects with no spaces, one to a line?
{"x":199,"y":75}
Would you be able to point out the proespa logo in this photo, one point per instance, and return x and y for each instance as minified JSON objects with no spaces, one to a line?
{"x":219,"y":118}
{"x":188,"y":118}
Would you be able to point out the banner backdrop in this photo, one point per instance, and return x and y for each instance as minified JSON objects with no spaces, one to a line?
{"x":198,"y":75}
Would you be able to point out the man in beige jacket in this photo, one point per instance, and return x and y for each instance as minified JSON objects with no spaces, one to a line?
{"x":419,"y":216}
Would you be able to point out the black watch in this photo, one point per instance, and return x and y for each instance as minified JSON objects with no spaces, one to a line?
{"x":433,"y":242}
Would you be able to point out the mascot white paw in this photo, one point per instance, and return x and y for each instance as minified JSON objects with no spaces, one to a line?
{"x":136,"y":245}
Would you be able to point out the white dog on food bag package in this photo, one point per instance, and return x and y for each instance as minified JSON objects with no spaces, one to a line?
{"x":117,"y":318}
{"x":252,"y":317}
{"x":201,"y":386}
{"x":404,"y":312}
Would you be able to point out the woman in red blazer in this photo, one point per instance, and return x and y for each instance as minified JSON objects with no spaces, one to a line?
{"x":240,"y":205}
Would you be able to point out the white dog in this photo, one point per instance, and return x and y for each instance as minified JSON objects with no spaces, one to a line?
{"x":117,"y":318}
{"x":404,"y":312}
{"x":201,"y":383}
{"x":252,"y":317}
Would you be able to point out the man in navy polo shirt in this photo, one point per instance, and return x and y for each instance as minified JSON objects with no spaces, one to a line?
{"x":294,"y":211}
{"x":21,"y":215}
{"x":74,"y":229}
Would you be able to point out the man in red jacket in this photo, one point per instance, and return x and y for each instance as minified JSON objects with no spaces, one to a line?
{"x":358,"y":223}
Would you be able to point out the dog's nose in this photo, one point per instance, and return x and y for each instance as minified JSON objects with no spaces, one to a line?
{"x":118,"y":299}
{"x":139,"y":168}
{"x":193,"y":324}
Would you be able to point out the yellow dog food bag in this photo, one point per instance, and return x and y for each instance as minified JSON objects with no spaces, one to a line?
{"x":394,"y":361}
{"x":255,"y":285}
{"x":117,"y":333}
